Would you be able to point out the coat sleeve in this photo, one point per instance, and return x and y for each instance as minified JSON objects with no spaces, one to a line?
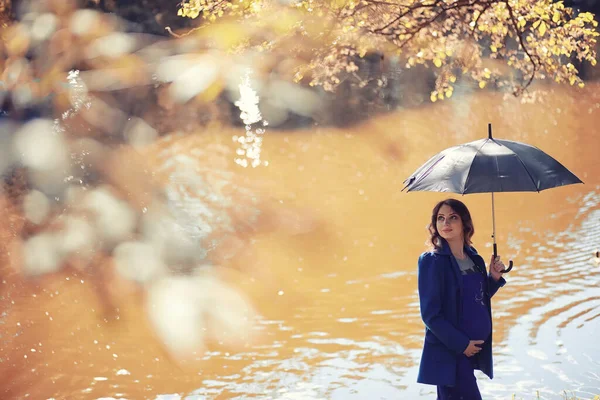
{"x":430,"y":300}
{"x":493,"y":285}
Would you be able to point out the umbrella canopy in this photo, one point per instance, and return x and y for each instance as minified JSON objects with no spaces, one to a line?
{"x":490,"y":166}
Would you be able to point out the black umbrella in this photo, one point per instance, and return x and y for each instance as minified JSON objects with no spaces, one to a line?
{"x":490,"y":166}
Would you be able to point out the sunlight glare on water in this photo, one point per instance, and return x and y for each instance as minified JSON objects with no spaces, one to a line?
{"x":249,"y":150}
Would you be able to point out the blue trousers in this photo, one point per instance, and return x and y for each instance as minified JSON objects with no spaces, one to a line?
{"x":466,"y":383}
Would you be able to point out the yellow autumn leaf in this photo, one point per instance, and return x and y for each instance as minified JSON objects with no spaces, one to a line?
{"x":482,"y":84}
{"x":337,"y":4}
{"x":437,"y":62}
{"x":493,"y":48}
{"x":556,"y":17}
{"x":283,"y":23}
{"x":433,"y":97}
{"x":226,"y":35}
{"x":211,"y":92}
{"x":542,"y":28}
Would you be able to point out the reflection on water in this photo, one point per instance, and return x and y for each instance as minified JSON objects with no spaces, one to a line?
{"x":335,"y":285}
{"x":556,"y":303}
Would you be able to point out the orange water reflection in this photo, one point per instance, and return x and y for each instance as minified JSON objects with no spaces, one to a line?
{"x":325,"y":245}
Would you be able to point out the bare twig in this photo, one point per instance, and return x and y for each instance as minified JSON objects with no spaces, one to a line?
{"x":519,"y":34}
{"x":487,"y":6}
{"x":405,"y":13}
{"x":168,"y":29}
{"x":424,"y":24}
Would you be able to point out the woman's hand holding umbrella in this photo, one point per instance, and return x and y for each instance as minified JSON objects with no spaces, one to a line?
{"x":496,"y":267}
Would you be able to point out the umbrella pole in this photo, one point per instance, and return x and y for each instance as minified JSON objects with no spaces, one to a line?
{"x":494,"y":227}
{"x":510,"y":263}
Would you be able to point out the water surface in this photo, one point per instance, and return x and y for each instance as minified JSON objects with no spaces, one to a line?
{"x":333,"y":270}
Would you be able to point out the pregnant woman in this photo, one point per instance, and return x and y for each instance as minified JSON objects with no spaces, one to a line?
{"x":455,"y":298}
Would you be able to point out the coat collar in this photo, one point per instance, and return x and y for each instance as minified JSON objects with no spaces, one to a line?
{"x":469,"y":250}
{"x":445,"y":249}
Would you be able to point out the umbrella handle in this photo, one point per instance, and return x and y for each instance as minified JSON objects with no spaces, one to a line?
{"x":510,"y":262}
{"x":510,"y":265}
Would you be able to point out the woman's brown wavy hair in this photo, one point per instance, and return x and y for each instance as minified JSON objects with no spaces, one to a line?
{"x":463,"y":212}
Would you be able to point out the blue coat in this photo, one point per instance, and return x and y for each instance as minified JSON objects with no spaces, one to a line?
{"x":440,"y":297}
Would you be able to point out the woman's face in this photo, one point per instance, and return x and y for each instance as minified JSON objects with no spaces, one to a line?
{"x":449,"y":224}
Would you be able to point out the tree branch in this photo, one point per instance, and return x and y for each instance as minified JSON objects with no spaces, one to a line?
{"x":519,"y":34}
{"x":442,"y":11}
{"x":404,"y":14}
{"x":423,"y":25}
{"x":487,"y":6}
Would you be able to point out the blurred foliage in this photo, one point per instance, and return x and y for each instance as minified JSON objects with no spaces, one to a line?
{"x":5,"y":10}
{"x":85,"y":91}
{"x":80,"y":90}
{"x":367,"y":56}
{"x":531,"y":39}
{"x":148,"y":16}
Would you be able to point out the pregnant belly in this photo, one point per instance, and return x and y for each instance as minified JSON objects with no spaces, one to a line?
{"x":477,"y":324}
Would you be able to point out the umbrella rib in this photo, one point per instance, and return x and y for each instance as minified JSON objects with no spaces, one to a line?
{"x":526,"y":170}
{"x":471,"y":166}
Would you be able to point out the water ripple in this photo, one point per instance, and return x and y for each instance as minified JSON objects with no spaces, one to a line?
{"x":552,"y":346}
